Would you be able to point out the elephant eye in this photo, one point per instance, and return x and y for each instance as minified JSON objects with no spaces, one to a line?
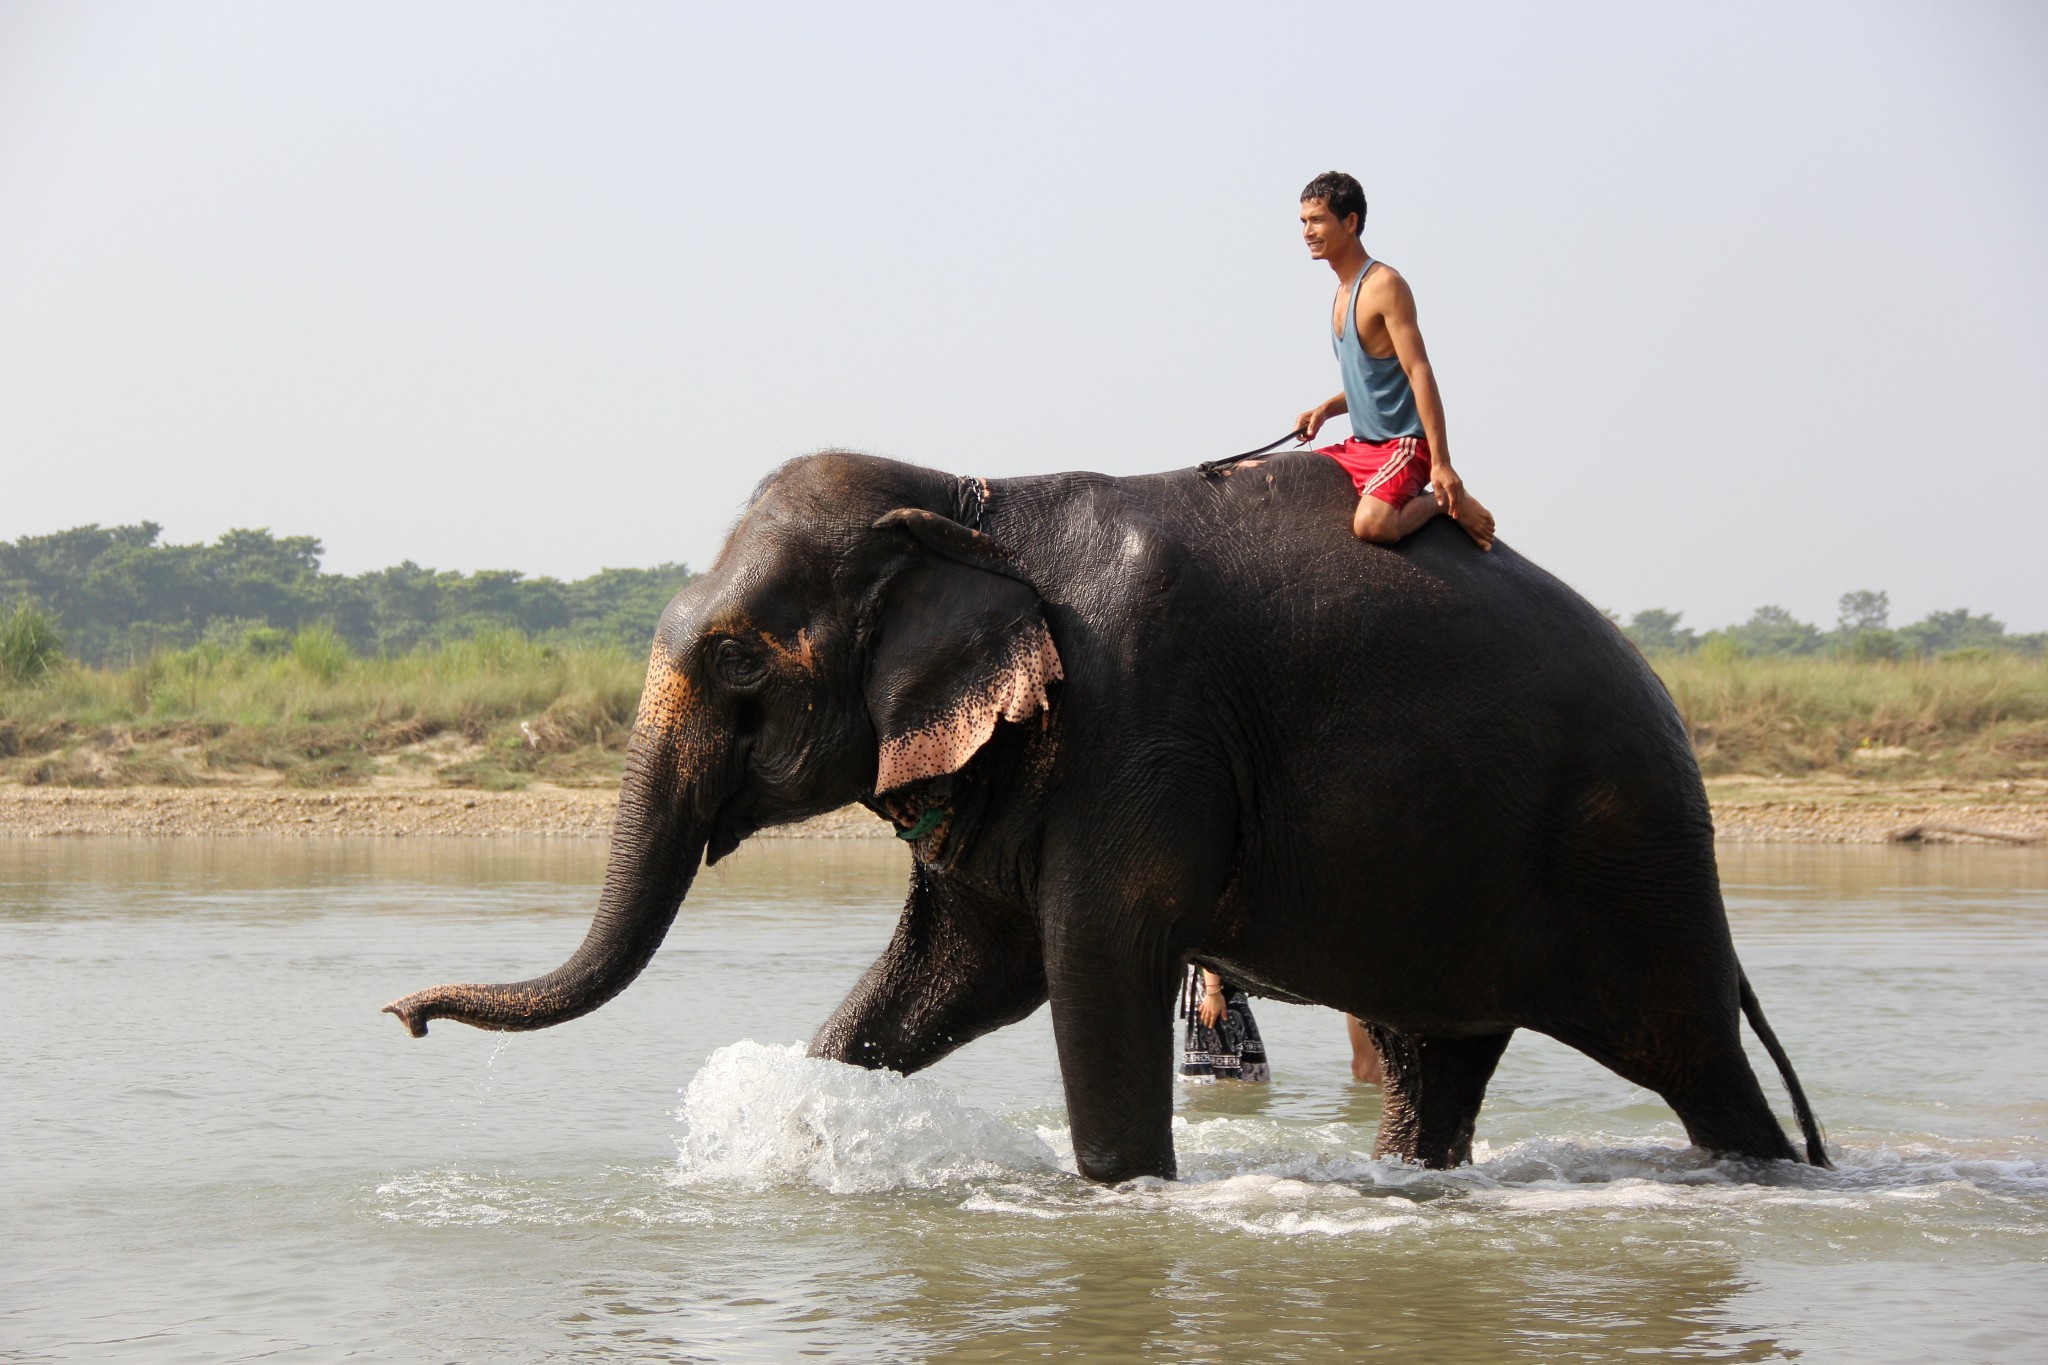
{"x":737,"y":666}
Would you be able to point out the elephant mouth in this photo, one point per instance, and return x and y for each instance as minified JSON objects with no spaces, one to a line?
{"x":729,"y":829}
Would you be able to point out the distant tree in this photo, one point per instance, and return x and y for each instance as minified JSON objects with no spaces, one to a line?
{"x":119,"y":593}
{"x":1861,"y":611}
{"x":1943,"y":631}
{"x":1656,"y":631}
{"x":1870,"y":645}
{"x":623,"y":605}
{"x":1772,"y":630}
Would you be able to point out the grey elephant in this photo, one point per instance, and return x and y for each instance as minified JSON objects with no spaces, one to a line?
{"x":1127,"y":723}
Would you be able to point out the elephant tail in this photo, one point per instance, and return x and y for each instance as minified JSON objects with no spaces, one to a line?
{"x":1816,"y":1139}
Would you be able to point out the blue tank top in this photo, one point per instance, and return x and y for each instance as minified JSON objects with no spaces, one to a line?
{"x":1375,"y":387}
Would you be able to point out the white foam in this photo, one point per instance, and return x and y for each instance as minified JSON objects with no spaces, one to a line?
{"x":758,"y":1119}
{"x":761,"y":1116}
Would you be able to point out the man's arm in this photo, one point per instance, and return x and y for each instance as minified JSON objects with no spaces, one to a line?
{"x":1309,"y":423}
{"x":1398,"y":308}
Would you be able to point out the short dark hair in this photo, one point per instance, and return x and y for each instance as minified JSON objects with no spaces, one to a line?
{"x":1343,"y":194}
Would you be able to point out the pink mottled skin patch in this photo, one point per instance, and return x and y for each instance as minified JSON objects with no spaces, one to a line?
{"x":1015,"y":693}
{"x":798,"y":656}
{"x":666,"y":698}
{"x":671,"y":718}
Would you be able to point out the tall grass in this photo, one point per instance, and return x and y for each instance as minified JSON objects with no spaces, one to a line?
{"x":30,"y":647}
{"x":509,"y":706}
{"x":502,"y":709}
{"x":1972,"y":715}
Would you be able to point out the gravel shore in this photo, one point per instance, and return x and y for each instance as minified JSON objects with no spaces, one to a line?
{"x":424,"y":812}
{"x":1753,"y":810}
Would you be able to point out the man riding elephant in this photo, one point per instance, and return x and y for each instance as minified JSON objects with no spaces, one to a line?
{"x":1398,"y":442}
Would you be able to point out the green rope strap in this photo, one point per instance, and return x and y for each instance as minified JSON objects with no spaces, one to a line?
{"x":926,"y":823}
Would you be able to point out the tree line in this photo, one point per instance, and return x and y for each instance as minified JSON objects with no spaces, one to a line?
{"x":118,"y":593}
{"x":1863,"y":630}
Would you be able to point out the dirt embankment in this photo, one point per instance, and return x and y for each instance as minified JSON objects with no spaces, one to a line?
{"x":421,"y":812}
{"x":1784,"y":810}
{"x":1836,"y":810}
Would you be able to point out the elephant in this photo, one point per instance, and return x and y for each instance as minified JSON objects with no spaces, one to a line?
{"x":1126,"y":723}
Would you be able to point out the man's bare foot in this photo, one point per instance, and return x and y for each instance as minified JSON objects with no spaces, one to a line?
{"x":1476,"y":520}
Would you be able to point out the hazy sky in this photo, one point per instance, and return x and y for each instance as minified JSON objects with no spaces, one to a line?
{"x":1730,"y":304}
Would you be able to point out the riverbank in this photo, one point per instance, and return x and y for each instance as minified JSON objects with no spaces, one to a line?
{"x":1746,"y":809}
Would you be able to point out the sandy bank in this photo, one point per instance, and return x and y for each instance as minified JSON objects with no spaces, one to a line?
{"x":425,"y":812}
{"x":1753,"y":810}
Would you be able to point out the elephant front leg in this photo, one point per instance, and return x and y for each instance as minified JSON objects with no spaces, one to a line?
{"x":1112,"y":1021}
{"x":958,"y":967}
{"x":1113,"y":1027}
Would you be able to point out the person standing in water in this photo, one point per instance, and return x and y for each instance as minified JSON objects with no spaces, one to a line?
{"x":1222,"y":1041}
{"x":1397,"y":416}
{"x":1366,"y":1066}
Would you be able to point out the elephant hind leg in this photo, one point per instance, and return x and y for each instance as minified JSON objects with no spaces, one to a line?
{"x":1721,"y":1103}
{"x":1700,"y":1070}
{"x":1434,"y":1087}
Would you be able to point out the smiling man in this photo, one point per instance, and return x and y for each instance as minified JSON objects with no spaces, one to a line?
{"x":1397,"y":416}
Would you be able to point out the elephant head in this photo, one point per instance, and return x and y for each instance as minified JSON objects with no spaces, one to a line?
{"x":852,"y":638}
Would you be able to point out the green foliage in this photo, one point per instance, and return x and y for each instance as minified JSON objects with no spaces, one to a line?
{"x":1657,"y":631}
{"x":1876,"y":645}
{"x":496,"y":709}
{"x":1773,"y":630}
{"x":1944,"y":631}
{"x":1721,"y":647}
{"x":1861,"y":611}
{"x":500,"y":709}
{"x":1861,"y":632}
{"x":1985,"y":717}
{"x":30,"y":647}
{"x":320,"y":652}
{"x":122,"y":596}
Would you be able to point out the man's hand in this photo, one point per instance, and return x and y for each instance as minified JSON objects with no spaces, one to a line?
{"x":1459,"y":505}
{"x":1309,"y":423}
{"x":1212,"y":1011}
{"x":1450,"y":489}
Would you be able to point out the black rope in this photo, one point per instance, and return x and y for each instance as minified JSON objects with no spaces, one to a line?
{"x":1208,"y":469}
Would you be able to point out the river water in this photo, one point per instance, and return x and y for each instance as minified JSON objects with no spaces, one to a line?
{"x":217,"y":1149}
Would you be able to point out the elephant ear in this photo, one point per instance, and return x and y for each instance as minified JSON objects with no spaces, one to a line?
{"x":960,"y":643}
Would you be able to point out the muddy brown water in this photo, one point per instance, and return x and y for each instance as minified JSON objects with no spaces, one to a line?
{"x":217,"y":1149}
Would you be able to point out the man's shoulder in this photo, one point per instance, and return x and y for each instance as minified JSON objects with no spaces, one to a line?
{"x":1386,"y":292}
{"x":1385,"y":277}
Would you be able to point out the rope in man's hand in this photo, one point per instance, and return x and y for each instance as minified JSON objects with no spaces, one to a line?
{"x":1208,"y":469}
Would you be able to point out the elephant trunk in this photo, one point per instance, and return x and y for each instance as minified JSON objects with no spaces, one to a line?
{"x":657,"y":841}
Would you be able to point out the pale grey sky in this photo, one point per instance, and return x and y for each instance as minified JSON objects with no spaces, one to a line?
{"x":1731,"y":304}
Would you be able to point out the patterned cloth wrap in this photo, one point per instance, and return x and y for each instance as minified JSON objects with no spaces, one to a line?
{"x":1231,"y":1051}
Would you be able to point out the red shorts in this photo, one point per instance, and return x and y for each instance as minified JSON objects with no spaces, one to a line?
{"x":1392,"y":471}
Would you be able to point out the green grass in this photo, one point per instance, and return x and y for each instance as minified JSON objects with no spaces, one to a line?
{"x":1974,"y":715}
{"x":502,"y":710}
{"x":320,"y":717}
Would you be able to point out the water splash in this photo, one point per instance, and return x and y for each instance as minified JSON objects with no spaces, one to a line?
{"x":759,"y":1116}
